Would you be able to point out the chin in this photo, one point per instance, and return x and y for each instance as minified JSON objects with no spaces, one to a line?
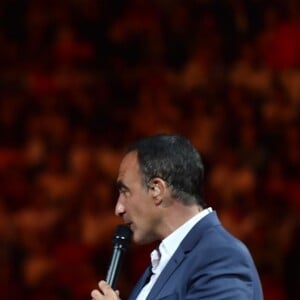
{"x":142,"y":239}
{"x":138,"y":240}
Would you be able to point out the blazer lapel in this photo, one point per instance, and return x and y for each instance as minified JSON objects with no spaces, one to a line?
{"x":140,"y":284}
{"x":166,"y":273}
{"x":184,"y":248}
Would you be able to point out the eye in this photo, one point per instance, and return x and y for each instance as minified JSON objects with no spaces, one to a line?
{"x":124,"y":192}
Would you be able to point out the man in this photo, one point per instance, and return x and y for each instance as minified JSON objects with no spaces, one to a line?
{"x":160,"y":198}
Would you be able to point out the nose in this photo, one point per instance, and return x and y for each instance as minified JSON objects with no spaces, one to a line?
{"x":120,"y":208}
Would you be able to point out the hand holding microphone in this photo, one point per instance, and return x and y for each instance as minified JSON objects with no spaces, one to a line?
{"x":105,"y":292}
{"x":121,"y":242}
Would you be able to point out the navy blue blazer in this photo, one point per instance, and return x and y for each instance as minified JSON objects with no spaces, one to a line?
{"x":209,"y":264}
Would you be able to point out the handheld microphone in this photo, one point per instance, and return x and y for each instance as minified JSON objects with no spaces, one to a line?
{"x":121,"y":242}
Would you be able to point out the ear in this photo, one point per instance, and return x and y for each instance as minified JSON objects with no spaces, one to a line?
{"x":158,"y":189}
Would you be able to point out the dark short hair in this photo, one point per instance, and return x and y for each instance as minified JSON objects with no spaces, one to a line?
{"x":175,"y":160}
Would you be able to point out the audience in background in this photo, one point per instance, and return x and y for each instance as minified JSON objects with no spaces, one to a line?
{"x":82,"y":79}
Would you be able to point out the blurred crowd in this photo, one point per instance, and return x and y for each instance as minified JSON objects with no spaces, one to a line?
{"x":82,"y":79}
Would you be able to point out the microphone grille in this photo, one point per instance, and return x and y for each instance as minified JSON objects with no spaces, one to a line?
{"x":122,"y":237}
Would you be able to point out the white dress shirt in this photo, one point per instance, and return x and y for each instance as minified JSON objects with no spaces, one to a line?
{"x":168,"y":246}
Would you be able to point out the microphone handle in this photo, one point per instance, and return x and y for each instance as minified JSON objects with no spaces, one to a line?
{"x":114,"y":267}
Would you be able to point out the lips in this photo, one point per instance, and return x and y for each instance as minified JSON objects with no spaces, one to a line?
{"x":128,"y":223}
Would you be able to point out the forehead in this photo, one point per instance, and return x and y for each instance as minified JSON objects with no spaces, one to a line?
{"x":129,"y":166}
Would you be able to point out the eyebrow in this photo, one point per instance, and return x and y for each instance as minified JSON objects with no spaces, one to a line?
{"x":120,"y":185}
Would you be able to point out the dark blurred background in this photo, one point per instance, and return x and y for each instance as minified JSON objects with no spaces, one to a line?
{"x":81,"y":79}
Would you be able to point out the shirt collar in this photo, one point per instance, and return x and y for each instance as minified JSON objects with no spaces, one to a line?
{"x":169,"y":245}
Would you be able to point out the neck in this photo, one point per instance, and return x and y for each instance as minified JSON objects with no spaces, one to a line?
{"x":176,"y":215}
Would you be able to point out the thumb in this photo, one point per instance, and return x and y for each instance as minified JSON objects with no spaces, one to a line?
{"x":107,"y":290}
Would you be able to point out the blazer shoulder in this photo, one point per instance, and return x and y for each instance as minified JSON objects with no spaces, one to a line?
{"x":210,"y":235}
{"x":200,"y":230}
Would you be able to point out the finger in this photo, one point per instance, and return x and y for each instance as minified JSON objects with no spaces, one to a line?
{"x":103,"y":283}
{"x":96,"y":295}
{"x":106,"y":288}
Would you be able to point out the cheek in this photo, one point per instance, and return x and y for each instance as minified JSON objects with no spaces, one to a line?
{"x":140,"y":207}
